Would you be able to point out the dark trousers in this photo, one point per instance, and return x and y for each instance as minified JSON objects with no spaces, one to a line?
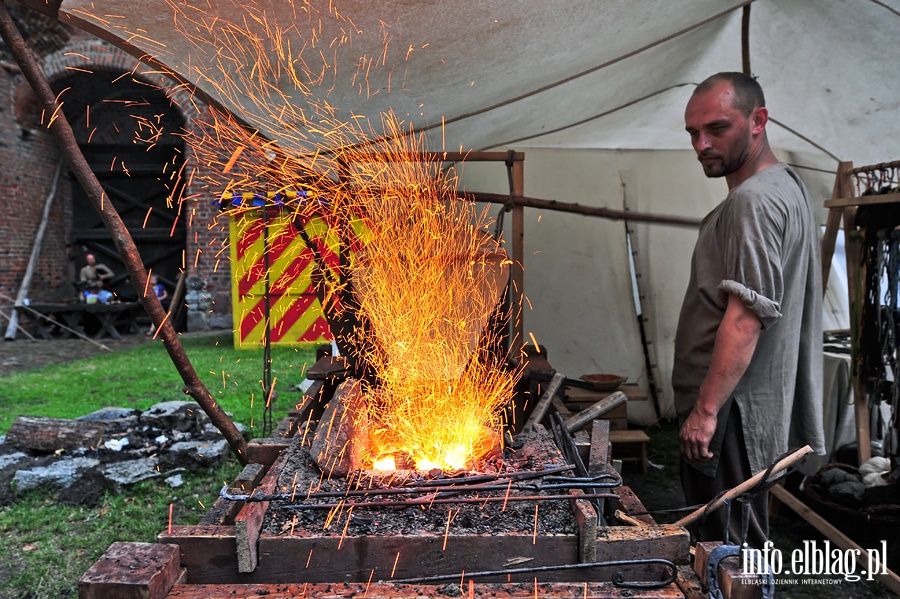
{"x":733,"y":469}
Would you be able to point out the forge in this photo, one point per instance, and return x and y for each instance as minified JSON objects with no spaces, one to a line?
{"x":522,"y":522}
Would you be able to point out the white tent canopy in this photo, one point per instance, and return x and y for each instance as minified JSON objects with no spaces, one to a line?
{"x":593,"y":92}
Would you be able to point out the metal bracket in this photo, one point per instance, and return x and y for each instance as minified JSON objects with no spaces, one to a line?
{"x":712,"y":572}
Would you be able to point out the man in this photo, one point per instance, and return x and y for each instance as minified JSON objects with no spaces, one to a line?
{"x":93,"y":276}
{"x":748,"y":365}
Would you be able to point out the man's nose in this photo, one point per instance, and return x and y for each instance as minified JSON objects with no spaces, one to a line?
{"x":701,"y":142}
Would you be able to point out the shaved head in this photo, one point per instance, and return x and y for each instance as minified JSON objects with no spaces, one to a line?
{"x":748,"y":94}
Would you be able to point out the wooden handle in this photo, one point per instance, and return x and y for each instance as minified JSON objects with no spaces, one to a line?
{"x":746,"y":485}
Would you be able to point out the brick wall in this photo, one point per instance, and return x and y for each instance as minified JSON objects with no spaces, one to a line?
{"x":28,"y":157}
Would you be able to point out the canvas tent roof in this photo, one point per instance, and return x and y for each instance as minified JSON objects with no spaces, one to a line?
{"x":583,"y":74}
{"x":563,"y":77}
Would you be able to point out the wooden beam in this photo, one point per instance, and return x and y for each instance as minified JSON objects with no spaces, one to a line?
{"x":597,"y":410}
{"x":846,"y":202}
{"x":889,"y":580}
{"x":248,"y":522}
{"x":543,"y":404}
{"x":132,"y":571}
{"x":575,"y":208}
{"x":517,"y":276}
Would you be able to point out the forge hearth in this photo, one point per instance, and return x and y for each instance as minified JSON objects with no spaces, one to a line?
{"x":285,"y":528}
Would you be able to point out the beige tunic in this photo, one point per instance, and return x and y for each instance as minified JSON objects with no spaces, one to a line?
{"x":762,"y":245}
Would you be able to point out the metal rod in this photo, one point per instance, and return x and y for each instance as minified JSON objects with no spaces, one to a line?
{"x":429,"y":501}
{"x":617,"y":578}
{"x":121,"y":237}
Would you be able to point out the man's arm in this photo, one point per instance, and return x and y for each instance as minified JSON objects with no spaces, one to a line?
{"x":103,"y":271}
{"x":735,"y":343}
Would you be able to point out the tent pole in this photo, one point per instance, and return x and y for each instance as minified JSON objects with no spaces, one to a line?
{"x":35,"y":254}
{"x":121,"y":237}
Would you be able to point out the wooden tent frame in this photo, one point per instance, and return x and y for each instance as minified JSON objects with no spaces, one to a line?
{"x":843,"y":206}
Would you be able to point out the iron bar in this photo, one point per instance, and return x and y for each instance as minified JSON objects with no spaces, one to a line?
{"x":119,"y":233}
{"x":571,"y":450}
{"x":618,"y":579}
{"x":591,"y":482}
{"x":441,"y":500}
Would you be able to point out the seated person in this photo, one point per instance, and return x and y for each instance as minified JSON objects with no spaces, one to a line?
{"x":162,"y":294}
{"x":92,"y":277}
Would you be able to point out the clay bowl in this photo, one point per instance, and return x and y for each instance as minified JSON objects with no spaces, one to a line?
{"x":604,"y":382}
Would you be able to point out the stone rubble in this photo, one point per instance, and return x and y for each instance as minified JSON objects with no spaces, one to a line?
{"x":161,"y":442}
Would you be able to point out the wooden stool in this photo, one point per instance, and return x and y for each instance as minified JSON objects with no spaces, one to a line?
{"x":631,"y":437}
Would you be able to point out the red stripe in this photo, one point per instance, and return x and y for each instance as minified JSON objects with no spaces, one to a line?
{"x":318,"y":330}
{"x":296,"y":310}
{"x":252,"y":318}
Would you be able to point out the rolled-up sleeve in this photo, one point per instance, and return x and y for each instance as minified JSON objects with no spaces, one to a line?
{"x":766,"y":310}
{"x":753,"y":270}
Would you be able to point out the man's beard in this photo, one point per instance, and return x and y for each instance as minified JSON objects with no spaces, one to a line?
{"x":725,"y":165}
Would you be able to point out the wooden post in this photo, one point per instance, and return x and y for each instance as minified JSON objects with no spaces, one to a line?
{"x":35,"y":254}
{"x":518,"y":257}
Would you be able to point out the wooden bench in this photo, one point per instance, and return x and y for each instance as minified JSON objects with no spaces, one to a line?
{"x":631,"y":437}
{"x":101,"y":320}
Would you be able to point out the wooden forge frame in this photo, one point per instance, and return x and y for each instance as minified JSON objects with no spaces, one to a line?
{"x":228,"y":554}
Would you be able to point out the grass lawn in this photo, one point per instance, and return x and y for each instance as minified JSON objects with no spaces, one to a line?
{"x":44,"y":547}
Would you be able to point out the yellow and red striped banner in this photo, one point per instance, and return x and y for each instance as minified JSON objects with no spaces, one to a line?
{"x":295,"y":311}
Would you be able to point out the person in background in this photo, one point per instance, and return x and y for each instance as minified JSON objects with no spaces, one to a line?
{"x":747,"y":374}
{"x":93,"y":277}
{"x":162,"y":294}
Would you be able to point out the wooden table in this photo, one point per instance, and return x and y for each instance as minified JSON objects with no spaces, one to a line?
{"x":98,"y":320}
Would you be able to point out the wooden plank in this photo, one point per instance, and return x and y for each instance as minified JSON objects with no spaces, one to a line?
{"x":474,"y":589}
{"x":597,"y":410}
{"x":599,"y":457}
{"x":890,"y":580}
{"x":586,"y":517}
{"x":543,"y":404}
{"x":328,"y":367}
{"x":631,"y":505}
{"x":208,"y":553}
{"x":223,"y":510}
{"x":357,"y":559}
{"x":266,"y":450}
{"x":248,"y":522}
{"x":50,"y":434}
{"x":689,"y":584}
{"x":845,"y":202}
{"x":132,"y":571}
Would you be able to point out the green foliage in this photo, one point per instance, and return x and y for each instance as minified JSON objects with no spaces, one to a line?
{"x":45,"y":548}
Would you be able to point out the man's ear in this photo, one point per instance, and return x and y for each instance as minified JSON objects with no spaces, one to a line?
{"x":758,"y":119}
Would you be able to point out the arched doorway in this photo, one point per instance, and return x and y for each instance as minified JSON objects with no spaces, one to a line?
{"x":127,"y":130}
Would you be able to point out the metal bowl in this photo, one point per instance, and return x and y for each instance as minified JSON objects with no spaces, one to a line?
{"x":604,"y":382}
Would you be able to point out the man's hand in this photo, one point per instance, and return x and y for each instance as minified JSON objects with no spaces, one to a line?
{"x":695,"y":436}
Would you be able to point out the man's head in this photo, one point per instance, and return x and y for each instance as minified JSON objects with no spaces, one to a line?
{"x":90,"y":259}
{"x":726,"y":118}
